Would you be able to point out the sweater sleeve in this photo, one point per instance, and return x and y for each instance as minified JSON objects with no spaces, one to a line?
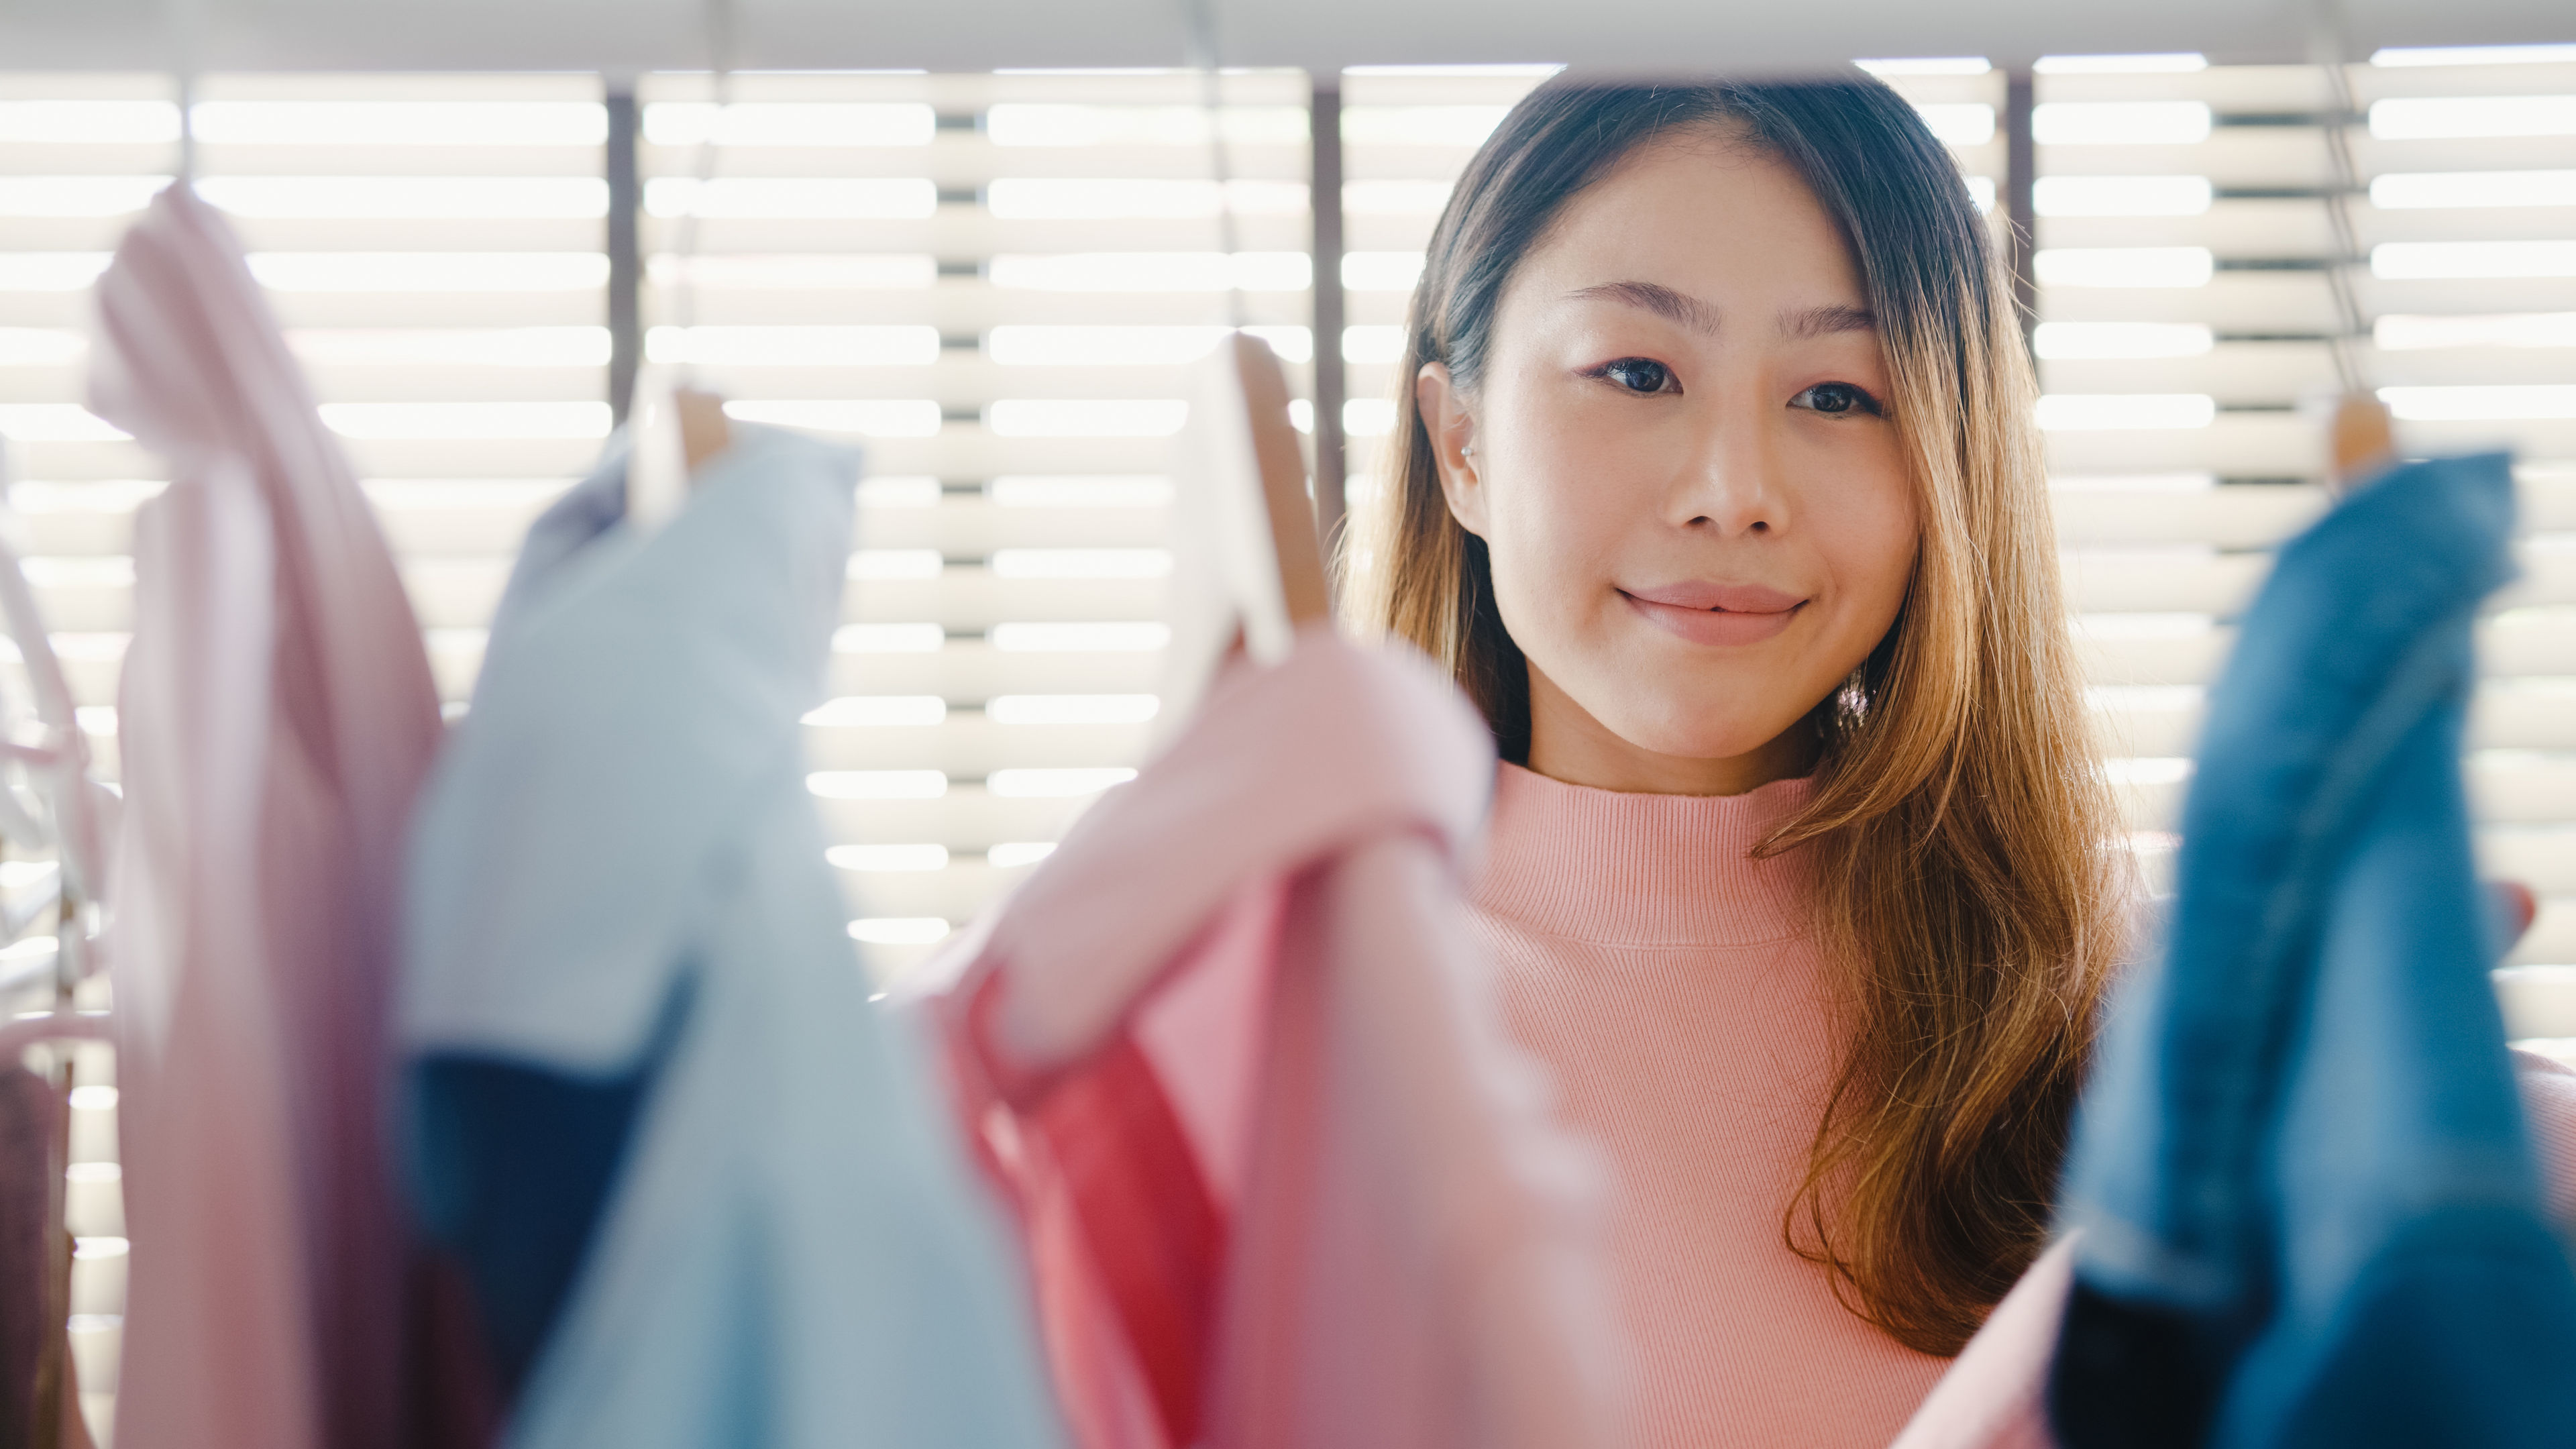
{"x":2549,"y":1106}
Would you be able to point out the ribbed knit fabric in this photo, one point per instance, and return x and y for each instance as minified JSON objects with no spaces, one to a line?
{"x":1676,"y":989}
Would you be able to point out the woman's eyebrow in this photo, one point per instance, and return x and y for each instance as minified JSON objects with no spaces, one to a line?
{"x":1663,"y":301}
{"x":1816,"y":322}
{"x":1688,"y":311}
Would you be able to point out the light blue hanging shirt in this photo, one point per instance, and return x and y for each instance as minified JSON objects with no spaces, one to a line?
{"x":618,"y":884}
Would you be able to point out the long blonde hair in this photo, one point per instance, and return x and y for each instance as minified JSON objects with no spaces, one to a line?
{"x":1960,"y":831}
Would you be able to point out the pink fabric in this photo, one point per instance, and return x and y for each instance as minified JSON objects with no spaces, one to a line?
{"x":1995,"y":1394}
{"x":1674,"y":987}
{"x":2549,"y":1108}
{"x":276,"y":717}
{"x":1283,"y":1180}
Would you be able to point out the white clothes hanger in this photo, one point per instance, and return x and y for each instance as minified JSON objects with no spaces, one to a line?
{"x":1246,"y":567}
{"x":183,"y":19}
{"x":675,"y":429}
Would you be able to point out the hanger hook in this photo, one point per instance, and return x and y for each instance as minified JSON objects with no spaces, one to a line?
{"x":1201,"y":19}
{"x":185,"y":18}
{"x":718,"y":17}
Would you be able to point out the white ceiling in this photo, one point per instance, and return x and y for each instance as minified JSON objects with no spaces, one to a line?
{"x":1628,"y":35}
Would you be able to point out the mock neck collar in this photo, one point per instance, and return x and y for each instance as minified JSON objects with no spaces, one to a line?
{"x":1647,"y":870}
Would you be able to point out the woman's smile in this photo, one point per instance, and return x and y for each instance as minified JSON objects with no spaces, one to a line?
{"x":1713,"y":613}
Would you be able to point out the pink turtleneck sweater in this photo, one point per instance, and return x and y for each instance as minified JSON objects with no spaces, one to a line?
{"x":1675,"y":988}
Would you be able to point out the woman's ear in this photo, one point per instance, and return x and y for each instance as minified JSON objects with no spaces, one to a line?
{"x":1452,"y":430}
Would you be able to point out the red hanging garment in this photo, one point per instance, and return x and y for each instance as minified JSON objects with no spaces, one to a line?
{"x":1283,"y":1179}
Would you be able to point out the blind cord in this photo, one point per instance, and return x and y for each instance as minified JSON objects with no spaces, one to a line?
{"x":1201,"y":15}
{"x":2343,"y":182}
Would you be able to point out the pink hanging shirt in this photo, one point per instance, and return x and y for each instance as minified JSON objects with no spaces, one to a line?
{"x":276,"y":718}
{"x":1232,"y":1058}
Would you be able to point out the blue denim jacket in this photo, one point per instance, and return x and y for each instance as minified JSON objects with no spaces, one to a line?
{"x":2309,"y":1215}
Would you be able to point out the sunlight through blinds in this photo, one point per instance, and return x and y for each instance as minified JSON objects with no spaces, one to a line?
{"x":2186,"y":257}
{"x":432,"y":246}
{"x":996,"y":284}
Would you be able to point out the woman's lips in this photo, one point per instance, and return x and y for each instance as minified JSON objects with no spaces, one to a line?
{"x":1716,"y":613}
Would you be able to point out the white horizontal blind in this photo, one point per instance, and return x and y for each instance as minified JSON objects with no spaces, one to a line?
{"x":1407,"y":132}
{"x":996,"y":284}
{"x":2184,"y":258}
{"x":77,"y":157}
{"x":433,"y":248}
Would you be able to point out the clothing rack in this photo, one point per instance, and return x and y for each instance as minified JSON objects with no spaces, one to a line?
{"x":58,"y":813}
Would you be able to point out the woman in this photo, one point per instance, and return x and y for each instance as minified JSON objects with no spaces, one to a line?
{"x":1716,"y":484}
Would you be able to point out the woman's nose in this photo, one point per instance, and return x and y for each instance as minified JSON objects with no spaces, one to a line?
{"x":1729,"y":483}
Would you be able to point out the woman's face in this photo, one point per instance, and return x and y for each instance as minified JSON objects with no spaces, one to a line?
{"x":1681,"y":461}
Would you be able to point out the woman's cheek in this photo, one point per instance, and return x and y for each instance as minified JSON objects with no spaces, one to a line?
{"x":1545,"y":498}
{"x":1539,"y":554}
{"x":1878,"y":551}
{"x":1860,"y":495}
{"x":1551,"y":547}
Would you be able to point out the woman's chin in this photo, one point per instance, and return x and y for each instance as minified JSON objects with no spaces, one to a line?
{"x":1694,"y":741}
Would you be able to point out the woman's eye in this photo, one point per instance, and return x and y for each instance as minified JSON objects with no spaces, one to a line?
{"x":1640,"y":374}
{"x":1837,"y":398}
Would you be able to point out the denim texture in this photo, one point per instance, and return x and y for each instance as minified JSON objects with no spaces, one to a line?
{"x":2308,"y":1210}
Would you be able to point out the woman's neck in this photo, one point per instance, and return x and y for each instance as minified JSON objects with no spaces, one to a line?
{"x":1568,"y":744}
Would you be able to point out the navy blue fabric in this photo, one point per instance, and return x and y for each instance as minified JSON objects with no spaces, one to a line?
{"x":513,"y":1163}
{"x":521,"y":1159}
{"x":748,"y":1220}
{"x":512,"y":1160}
{"x":2309,"y":1215}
